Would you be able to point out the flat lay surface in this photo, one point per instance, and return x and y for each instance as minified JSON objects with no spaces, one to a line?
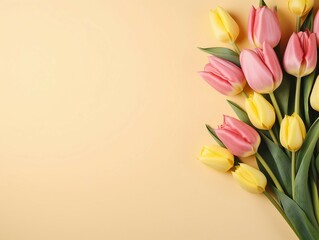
{"x":102,"y":117}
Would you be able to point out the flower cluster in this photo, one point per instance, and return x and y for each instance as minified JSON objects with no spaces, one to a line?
{"x":279,"y":123}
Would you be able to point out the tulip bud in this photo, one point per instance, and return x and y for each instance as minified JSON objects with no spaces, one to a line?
{"x":300,"y":57}
{"x":261,"y":69}
{"x":260,"y":112}
{"x":316,"y":27}
{"x":217,"y":157}
{"x":263,"y":26}
{"x":226,"y":77}
{"x":239,"y":138}
{"x":300,"y":7}
{"x":250,"y":179}
{"x":292,"y":132}
{"x":224,"y":26}
{"x":314,"y":97}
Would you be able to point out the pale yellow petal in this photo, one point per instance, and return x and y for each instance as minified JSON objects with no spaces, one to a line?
{"x":314,"y":97}
{"x":283,"y":133}
{"x":229,"y":23}
{"x":218,"y":27}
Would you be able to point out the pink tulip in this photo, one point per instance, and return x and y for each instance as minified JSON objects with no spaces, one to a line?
{"x":300,"y":57}
{"x":316,"y":27}
{"x":261,"y":68}
{"x":224,"y":76}
{"x":239,"y":138}
{"x":263,"y":26}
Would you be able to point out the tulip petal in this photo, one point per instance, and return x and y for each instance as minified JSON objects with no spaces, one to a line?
{"x":295,"y":138}
{"x":218,"y":27}
{"x":301,"y":125}
{"x":316,"y":27}
{"x":272,"y":62}
{"x":245,"y":131}
{"x":310,"y":54}
{"x":260,"y":112}
{"x":227,"y":69}
{"x":266,"y":22}
{"x":256,"y":72}
{"x":293,"y":56}
{"x":250,"y":179}
{"x":229,"y":23}
{"x":251,"y":24}
{"x":314,"y":97}
{"x":220,"y":84}
{"x":298,"y":7}
{"x":235,"y":143}
{"x":283,"y":133}
{"x":217,"y":157}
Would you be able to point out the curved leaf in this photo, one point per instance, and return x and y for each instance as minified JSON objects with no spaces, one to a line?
{"x":214,"y":135}
{"x":304,"y":157}
{"x":224,"y":53}
{"x":282,"y":94}
{"x":308,"y":23}
{"x":298,"y":218}
{"x":281,"y":163}
{"x":242,"y":115}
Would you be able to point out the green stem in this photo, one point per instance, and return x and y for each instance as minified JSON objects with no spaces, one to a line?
{"x":297,"y":96}
{"x":276,"y":205}
{"x":269,"y":171}
{"x":273,"y":136}
{"x":298,"y":23}
{"x":293,"y":173}
{"x":236,"y":48}
{"x":275,"y":104}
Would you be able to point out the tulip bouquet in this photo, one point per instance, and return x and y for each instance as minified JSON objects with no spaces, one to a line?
{"x":278,"y":123}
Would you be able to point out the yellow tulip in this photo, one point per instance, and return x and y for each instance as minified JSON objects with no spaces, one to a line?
{"x":217,"y":157}
{"x":250,"y":179}
{"x":224,"y":26}
{"x":260,"y":112}
{"x":292,"y":132}
{"x":314,"y":97}
{"x":300,"y":7}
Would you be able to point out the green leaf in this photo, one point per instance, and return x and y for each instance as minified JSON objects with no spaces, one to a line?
{"x":317,"y":163}
{"x":304,"y":157}
{"x":262,"y":3}
{"x":279,"y":163}
{"x":282,"y":94}
{"x":214,"y":135}
{"x":307,"y":83}
{"x":298,"y":218}
{"x":308,"y":23}
{"x":242,"y":115}
{"x":224,"y":53}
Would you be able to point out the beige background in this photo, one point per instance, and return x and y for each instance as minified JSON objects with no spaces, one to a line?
{"x":102,"y":117}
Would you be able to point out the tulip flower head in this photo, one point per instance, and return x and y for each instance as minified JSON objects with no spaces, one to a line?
{"x":224,"y":26}
{"x":300,"y":57}
{"x":226,"y":77}
{"x":263,"y":26}
{"x":250,"y":179}
{"x":316,"y":27}
{"x":217,"y":157}
{"x":260,"y":112}
{"x":239,"y":138}
{"x":300,"y":7}
{"x":314,"y":97}
{"x":292,"y":132}
{"x":261,"y":68}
